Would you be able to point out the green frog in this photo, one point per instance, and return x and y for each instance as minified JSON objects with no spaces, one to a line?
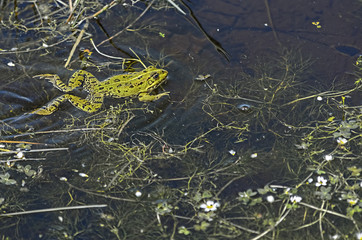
{"x":136,"y":84}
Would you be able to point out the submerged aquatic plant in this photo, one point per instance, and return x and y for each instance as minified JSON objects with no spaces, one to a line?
{"x":5,"y":179}
{"x":345,"y":129}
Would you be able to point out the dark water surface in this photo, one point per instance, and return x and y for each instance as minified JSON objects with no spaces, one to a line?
{"x":179,"y":151}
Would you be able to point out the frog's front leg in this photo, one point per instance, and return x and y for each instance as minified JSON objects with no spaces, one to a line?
{"x":91,"y":104}
{"x":146,"y":97}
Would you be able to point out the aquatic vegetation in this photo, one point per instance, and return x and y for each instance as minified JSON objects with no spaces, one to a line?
{"x":5,"y":179}
{"x":267,"y":157}
{"x":198,"y":191}
{"x":345,"y":129}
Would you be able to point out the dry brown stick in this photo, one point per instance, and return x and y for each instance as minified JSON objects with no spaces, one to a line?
{"x":76,"y":44}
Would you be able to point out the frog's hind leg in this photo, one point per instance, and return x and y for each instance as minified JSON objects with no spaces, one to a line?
{"x":52,"y":106}
{"x":75,"y":80}
{"x":91,"y":104}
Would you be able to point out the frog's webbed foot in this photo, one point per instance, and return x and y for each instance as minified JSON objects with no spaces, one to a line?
{"x":51,"y":107}
{"x":74,"y":81}
{"x":52,"y":78}
{"x":145,"y":97}
{"x":43,"y":111}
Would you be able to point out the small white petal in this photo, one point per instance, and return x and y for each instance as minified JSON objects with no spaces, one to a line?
{"x":342,"y":141}
{"x":83,"y":175}
{"x":328,"y":157}
{"x":209,"y":203}
{"x":254,"y":155}
{"x":232,"y":152}
{"x":270,"y":198}
{"x":319,"y":98}
{"x":20,"y":155}
{"x":335,"y":237}
{"x":295,"y":199}
{"x":138,"y":193}
{"x":64,"y":179}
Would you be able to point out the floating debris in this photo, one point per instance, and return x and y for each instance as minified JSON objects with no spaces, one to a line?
{"x":202,"y":77}
{"x":244,"y":107}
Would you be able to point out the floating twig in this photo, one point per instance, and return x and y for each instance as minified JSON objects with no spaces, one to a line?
{"x":176,"y":6}
{"x":25,"y":159}
{"x":36,"y":150}
{"x":52,"y":210}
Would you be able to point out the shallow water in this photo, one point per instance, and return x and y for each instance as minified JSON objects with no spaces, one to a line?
{"x":198,"y":141}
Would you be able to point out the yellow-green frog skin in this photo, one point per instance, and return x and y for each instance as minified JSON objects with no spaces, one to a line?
{"x":136,"y":84}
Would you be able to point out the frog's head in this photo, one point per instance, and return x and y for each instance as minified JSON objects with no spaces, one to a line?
{"x":156,"y":77}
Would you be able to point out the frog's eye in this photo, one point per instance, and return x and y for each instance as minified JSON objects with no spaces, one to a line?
{"x":156,"y":76}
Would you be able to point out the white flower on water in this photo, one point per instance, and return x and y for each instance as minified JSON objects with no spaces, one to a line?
{"x":295,"y":199}
{"x":83,"y":175}
{"x":210,"y":206}
{"x":352,"y":201}
{"x":232,"y":152}
{"x":20,"y":155}
{"x":342,"y":141}
{"x":11,"y":64}
{"x":64,"y":179}
{"x":321,"y":181}
{"x":287,"y":191}
{"x":359,"y":235}
{"x":138,"y":193}
{"x":328,"y":157}
{"x":335,"y":237}
{"x":270,"y":198}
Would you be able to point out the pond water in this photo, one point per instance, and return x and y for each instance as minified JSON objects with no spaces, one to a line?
{"x":259,"y":137}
